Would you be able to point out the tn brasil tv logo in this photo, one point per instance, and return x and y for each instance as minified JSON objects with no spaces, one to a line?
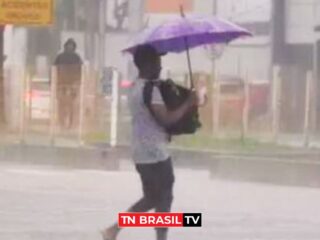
{"x":161,"y":220}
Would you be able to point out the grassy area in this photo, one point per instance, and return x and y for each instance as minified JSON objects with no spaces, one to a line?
{"x":203,"y":141}
{"x":97,"y":137}
{"x":225,"y":144}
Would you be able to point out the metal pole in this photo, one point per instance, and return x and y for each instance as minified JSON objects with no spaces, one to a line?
{"x":246,"y":106}
{"x":114,"y":109}
{"x":216,"y":105}
{"x":23,"y":105}
{"x":29,"y":91}
{"x":135,"y":24}
{"x":136,"y":15}
{"x":276,"y":99}
{"x":307,"y":109}
{"x":316,"y":85}
{"x":53,"y":105}
{"x":90,"y":30}
{"x":84,"y":72}
{"x":102,"y":34}
{"x":272,"y":47}
{"x":2,"y":97}
{"x":314,"y":112}
{"x":214,"y":86}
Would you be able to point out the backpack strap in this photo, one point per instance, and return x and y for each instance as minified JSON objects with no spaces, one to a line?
{"x":147,"y":94}
{"x":147,"y":99}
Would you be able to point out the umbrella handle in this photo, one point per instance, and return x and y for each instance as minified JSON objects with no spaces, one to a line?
{"x":189,"y":64}
{"x":182,"y":11}
{"x":188,"y":52}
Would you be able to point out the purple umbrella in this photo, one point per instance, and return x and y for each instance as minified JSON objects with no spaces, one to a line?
{"x":183,"y":33}
{"x":171,"y":36}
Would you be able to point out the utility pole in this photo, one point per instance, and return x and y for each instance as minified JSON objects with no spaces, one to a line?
{"x":136,"y":15}
{"x":90,"y":30}
{"x":2,"y":97}
{"x":135,"y":23}
{"x":315,"y":95}
{"x":102,"y":33}
{"x":272,"y":35}
{"x":215,"y":88}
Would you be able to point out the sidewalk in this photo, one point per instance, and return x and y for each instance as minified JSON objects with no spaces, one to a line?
{"x":297,"y":141}
{"x":55,"y":204}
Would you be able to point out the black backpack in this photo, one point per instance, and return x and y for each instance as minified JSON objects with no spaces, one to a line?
{"x":173,"y":96}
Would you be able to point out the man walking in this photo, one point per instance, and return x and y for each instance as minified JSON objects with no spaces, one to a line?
{"x":150,"y":154}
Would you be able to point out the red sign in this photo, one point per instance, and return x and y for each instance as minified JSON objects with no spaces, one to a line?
{"x":168,"y":6}
{"x":159,"y":220}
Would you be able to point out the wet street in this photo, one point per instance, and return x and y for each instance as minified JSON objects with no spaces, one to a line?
{"x":55,"y":203}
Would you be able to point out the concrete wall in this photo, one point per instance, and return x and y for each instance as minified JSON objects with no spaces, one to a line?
{"x":241,"y":60}
{"x":300,"y":21}
{"x":115,"y":43}
{"x":252,"y":55}
{"x":203,"y":7}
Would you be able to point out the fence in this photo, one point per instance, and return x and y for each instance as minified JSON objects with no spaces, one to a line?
{"x":237,"y":108}
{"x":33,"y":107}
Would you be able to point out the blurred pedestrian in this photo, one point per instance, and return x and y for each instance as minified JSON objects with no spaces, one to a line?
{"x":69,"y":65}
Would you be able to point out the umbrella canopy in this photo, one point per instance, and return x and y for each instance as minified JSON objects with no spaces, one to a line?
{"x":183,"y":33}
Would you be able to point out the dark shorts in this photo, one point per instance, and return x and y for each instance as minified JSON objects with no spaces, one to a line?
{"x":157,"y":183}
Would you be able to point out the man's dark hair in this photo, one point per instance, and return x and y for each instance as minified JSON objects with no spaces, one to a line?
{"x":144,"y":54}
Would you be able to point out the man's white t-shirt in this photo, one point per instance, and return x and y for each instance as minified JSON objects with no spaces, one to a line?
{"x":149,"y":139}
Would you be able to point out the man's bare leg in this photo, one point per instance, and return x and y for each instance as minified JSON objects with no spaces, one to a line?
{"x":111,"y":233}
{"x":143,"y":205}
{"x":162,"y":234}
